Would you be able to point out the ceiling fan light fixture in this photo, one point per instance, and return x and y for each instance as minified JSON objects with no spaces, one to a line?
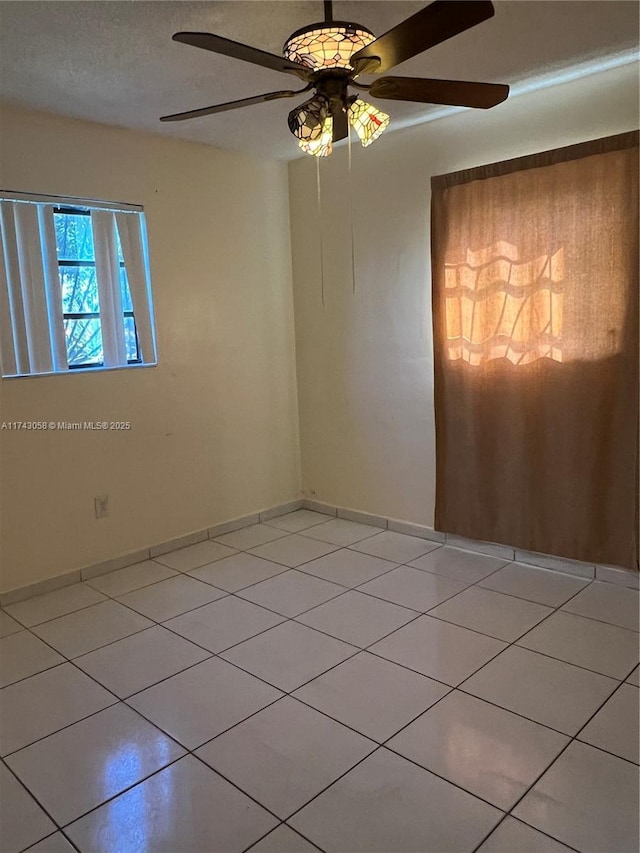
{"x":307,"y":120}
{"x":367,"y":121}
{"x":331,"y":55}
{"x":322,"y":146}
{"x":328,"y":45}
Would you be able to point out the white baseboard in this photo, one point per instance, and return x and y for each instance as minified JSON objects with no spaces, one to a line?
{"x":493,"y":549}
{"x":419,"y":530}
{"x":281,"y":509}
{"x":622,"y":577}
{"x":114,"y":564}
{"x":362,"y":517}
{"x":608,"y":574}
{"x":40,"y":587}
{"x":558,"y":564}
{"x":234,"y":524}
{"x":318,"y":506}
{"x":125,"y":560}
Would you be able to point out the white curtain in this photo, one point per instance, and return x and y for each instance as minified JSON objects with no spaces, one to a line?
{"x":31,"y":321}
{"x":134,"y":252}
{"x":109,"y":294}
{"x":52,"y":288}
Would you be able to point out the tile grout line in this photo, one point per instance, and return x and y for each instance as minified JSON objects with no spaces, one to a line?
{"x":513,"y":643}
{"x":285,"y":509}
{"x":187,"y":572}
{"x":488,"y":701}
{"x":166,"y":678}
{"x":526,"y":648}
{"x":124,"y":700}
{"x":368,"y":650}
{"x":587,"y":581}
{"x":160,"y":624}
{"x":378,"y":745}
{"x":451,"y":688}
{"x":334,"y":550}
{"x":30,"y":793}
{"x":554,"y":610}
{"x":294,"y":619}
{"x":155,"y":725}
{"x":186,"y":751}
{"x":359,"y":649}
{"x":332,"y":514}
{"x":349,"y":544}
{"x":469,"y":548}
{"x":572,"y":738}
{"x":284,"y":824}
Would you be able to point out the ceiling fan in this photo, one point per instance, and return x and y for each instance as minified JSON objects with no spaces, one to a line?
{"x":331,"y":55}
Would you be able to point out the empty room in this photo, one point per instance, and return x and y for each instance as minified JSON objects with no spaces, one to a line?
{"x":319,"y":431}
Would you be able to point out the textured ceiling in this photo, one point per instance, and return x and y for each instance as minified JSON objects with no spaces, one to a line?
{"x":115,"y":62}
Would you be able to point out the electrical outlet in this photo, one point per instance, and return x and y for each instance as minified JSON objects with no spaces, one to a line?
{"x":101,"y":506}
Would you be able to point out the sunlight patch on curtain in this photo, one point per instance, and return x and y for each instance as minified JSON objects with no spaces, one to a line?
{"x":500,"y":306}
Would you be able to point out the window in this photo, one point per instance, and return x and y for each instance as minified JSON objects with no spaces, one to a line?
{"x":74,"y":286}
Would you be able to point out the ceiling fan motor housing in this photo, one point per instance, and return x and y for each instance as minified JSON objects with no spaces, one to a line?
{"x":327,"y":45}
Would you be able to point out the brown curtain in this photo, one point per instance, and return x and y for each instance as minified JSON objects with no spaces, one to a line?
{"x":535,"y":314}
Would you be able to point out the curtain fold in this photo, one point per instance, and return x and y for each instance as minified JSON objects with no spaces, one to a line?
{"x":31,"y":324}
{"x":11,"y":321}
{"x":53,"y":291}
{"x":34,"y":301}
{"x":535,"y":312}
{"x":132,"y":241}
{"x":103,"y":225}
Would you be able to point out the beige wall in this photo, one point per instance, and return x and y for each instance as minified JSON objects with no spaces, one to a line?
{"x":365,"y":365}
{"x":214,"y":426}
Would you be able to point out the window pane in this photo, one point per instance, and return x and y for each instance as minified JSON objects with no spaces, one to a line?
{"x":127,"y":305}
{"x":130,"y":339}
{"x":84,"y":341}
{"x":79,"y":290}
{"x":74,"y":237}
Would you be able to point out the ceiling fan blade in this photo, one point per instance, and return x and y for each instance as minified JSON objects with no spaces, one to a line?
{"x":233,"y":105}
{"x":217,"y":44}
{"x":434,"y":24}
{"x":340,"y":124}
{"x":458,"y":93}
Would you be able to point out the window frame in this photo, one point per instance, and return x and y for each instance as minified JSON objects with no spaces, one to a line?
{"x":32,"y":317}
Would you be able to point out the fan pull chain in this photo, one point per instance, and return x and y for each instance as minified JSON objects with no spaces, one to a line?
{"x":317,"y":159}
{"x":353,"y":251}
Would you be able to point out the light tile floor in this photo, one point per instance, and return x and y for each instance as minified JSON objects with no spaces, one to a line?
{"x":316,"y":684}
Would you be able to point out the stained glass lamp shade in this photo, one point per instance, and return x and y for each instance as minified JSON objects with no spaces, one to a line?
{"x":329,"y":45}
{"x":322,"y":146}
{"x":307,"y":120}
{"x":367,"y":121}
